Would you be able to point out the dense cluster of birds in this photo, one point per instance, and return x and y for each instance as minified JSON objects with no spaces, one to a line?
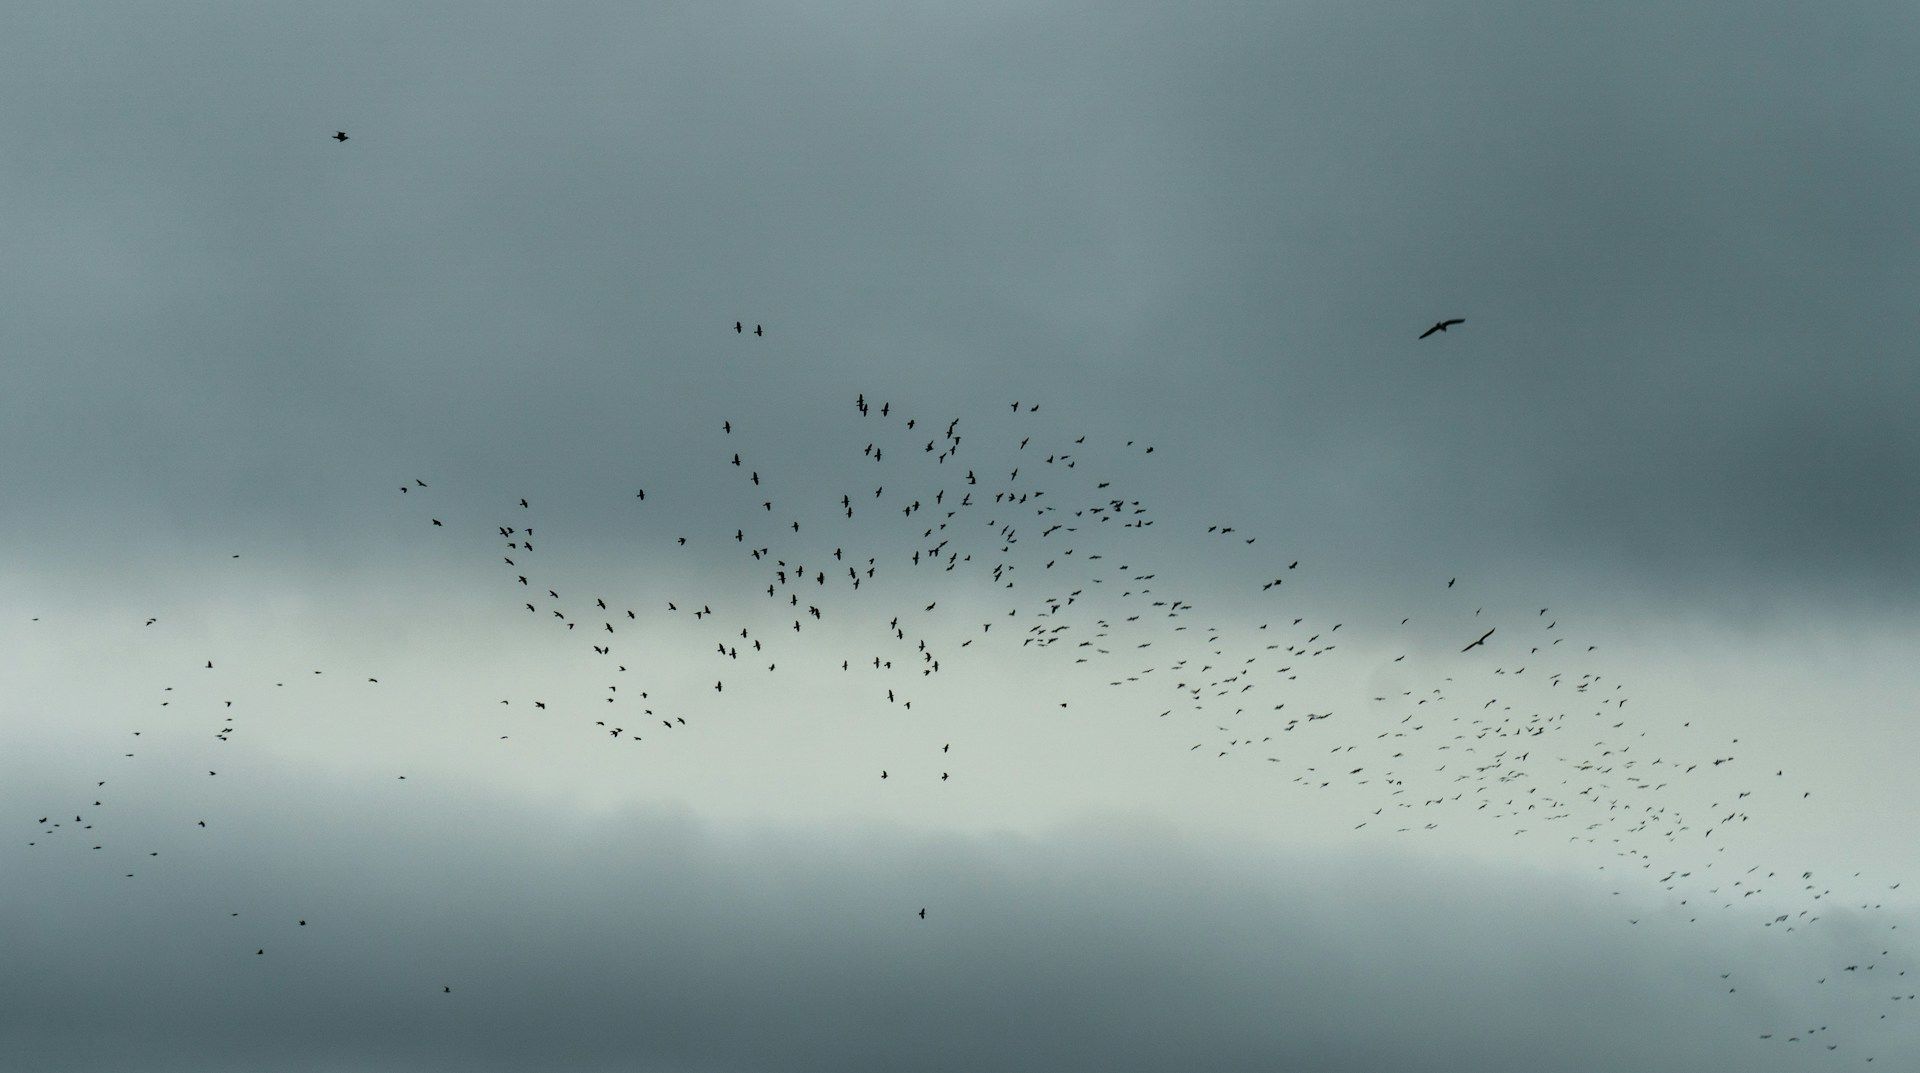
{"x":947,"y":548}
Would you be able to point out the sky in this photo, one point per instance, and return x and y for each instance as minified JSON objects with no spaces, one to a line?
{"x":1671,"y":428}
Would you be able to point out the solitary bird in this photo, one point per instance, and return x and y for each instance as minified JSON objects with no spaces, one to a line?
{"x":339,"y":135}
{"x":1442,"y":326}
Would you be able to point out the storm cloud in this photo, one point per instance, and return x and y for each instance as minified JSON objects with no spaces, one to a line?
{"x":1681,"y":240}
{"x":648,"y":939}
{"x":1678,"y":237}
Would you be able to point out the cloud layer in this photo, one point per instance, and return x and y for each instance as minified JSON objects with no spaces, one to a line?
{"x":650,"y":940}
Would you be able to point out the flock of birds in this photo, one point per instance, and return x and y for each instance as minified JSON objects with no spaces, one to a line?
{"x":882,"y":584}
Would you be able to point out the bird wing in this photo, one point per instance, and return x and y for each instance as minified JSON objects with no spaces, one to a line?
{"x":1429,"y":331}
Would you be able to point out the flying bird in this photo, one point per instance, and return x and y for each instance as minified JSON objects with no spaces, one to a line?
{"x":339,"y":135}
{"x":1481,"y":641}
{"x":1442,"y":326}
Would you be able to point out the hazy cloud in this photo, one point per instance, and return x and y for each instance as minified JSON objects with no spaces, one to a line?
{"x":647,"y":939}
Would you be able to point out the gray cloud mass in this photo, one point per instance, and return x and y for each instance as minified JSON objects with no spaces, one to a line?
{"x":1677,"y":236}
{"x":1682,"y":241}
{"x":650,"y":940}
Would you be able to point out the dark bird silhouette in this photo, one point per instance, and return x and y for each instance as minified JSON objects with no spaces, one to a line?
{"x":757,"y":331}
{"x":1442,"y":326}
{"x":1481,"y":641}
{"x":339,"y":135}
{"x":736,"y":327}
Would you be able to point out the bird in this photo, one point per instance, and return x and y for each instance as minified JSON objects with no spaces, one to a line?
{"x":339,"y":135}
{"x":1481,"y":641}
{"x":757,"y":331}
{"x":1442,"y":326}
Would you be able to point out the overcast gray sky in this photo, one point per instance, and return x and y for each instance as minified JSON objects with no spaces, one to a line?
{"x":1682,"y":241}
